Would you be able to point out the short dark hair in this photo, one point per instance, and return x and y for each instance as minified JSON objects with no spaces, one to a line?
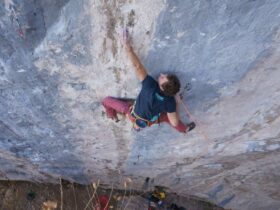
{"x":172,"y":86}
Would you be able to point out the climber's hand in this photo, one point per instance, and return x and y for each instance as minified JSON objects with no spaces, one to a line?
{"x":127,"y":39}
{"x":179,"y":97}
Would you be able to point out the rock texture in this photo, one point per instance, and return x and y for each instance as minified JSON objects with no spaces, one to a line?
{"x":59,"y":59}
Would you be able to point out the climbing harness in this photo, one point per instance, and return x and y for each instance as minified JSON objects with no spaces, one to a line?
{"x":139,"y":121}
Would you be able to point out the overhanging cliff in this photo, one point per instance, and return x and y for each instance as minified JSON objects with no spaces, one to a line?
{"x":59,"y":59}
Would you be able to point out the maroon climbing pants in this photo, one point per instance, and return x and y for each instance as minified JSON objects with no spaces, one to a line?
{"x":114,"y":106}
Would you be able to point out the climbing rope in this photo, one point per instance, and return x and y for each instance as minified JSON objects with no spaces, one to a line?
{"x":192,"y":118}
{"x":199,"y":126}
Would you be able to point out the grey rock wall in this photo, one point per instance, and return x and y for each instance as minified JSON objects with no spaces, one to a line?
{"x":59,"y":59}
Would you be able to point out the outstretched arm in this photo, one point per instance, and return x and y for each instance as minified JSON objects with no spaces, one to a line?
{"x":140,"y":70}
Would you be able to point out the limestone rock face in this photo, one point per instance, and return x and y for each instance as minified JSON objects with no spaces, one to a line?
{"x":58,"y":59}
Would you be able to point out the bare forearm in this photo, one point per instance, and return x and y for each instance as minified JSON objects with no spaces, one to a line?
{"x":134,"y":59}
{"x":139,"y":68}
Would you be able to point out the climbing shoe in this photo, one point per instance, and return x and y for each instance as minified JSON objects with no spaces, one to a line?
{"x":191,"y":126}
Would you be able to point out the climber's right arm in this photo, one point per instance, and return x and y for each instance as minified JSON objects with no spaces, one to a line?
{"x":141,"y":72}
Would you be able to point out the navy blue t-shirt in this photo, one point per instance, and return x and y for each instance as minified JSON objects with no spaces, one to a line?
{"x":151,"y":101}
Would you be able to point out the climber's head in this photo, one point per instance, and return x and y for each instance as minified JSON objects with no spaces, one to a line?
{"x":169,"y":84}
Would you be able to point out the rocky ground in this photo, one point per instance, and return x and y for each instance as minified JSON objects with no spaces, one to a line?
{"x":22,"y":195}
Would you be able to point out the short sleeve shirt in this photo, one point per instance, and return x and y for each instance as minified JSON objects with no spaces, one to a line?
{"x":151,"y":101}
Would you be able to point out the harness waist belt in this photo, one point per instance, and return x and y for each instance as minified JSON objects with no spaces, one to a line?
{"x":141,"y":122}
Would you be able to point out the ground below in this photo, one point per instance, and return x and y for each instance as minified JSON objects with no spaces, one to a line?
{"x":21,"y":195}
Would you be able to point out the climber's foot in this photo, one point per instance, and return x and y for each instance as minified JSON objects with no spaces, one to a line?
{"x":191,"y":126}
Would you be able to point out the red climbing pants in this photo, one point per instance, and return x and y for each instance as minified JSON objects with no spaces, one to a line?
{"x":114,"y":106}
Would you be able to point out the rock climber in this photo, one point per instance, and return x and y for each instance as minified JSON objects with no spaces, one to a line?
{"x":157,"y":101}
